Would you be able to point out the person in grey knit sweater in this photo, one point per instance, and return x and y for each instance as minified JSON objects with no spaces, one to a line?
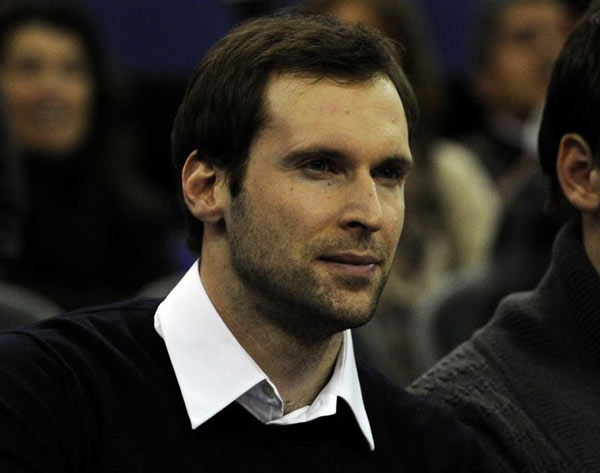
{"x":529,"y":382}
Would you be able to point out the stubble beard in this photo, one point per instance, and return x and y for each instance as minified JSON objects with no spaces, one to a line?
{"x":289,"y":294}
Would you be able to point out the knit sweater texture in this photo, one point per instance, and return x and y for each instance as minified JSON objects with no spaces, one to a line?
{"x":94,"y":391}
{"x":529,"y":382}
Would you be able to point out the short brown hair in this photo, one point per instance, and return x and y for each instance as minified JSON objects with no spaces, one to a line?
{"x":223,"y":107}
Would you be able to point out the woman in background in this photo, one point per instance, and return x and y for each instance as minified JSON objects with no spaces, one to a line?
{"x":94,"y":231}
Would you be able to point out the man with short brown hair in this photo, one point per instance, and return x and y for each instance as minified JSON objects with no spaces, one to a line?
{"x":293,"y":147}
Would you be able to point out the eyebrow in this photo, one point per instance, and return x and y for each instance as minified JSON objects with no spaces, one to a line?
{"x":323,"y":152}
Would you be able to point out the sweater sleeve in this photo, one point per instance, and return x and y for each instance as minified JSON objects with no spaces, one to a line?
{"x":40,"y":414}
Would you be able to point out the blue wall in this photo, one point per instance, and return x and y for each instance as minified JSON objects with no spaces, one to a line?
{"x":158,"y":37}
{"x":167,"y":38}
{"x":450,"y":21}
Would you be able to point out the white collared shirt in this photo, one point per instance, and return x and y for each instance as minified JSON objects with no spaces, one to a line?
{"x":213,"y":369}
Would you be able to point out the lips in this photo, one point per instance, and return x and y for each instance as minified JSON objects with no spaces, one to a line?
{"x":354,"y":270}
{"x":49,"y":116}
{"x":354,"y":259}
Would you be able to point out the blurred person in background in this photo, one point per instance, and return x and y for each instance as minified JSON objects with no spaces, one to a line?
{"x":514,"y":45}
{"x":92,"y":222}
{"x":451,"y":209}
{"x":521,"y":250}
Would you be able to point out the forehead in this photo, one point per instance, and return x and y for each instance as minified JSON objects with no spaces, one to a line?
{"x":38,"y":35}
{"x":529,"y":13}
{"x":359,"y":120}
{"x":293,"y":99}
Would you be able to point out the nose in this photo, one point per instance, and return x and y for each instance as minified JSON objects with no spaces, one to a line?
{"x":51,"y":79}
{"x":362,"y":211}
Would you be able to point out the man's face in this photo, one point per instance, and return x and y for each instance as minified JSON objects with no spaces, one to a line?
{"x":530,"y":36}
{"x":313,"y":232}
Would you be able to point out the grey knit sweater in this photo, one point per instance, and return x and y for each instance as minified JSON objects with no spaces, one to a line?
{"x":529,"y":382}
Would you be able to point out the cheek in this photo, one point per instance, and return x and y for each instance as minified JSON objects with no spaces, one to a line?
{"x":507,"y":70}
{"x":517,"y":67}
{"x":297,"y":213}
{"x":81,"y":95}
{"x":81,"y":100}
{"x":18,"y":93}
{"x":394,"y":220}
{"x":316,"y":209}
{"x":292,"y":206}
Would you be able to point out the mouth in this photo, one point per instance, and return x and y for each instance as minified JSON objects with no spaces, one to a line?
{"x":350,"y":264}
{"x":49,"y":116}
{"x":354,"y":259}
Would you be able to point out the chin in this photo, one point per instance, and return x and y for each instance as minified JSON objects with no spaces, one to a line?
{"x":343,"y":318}
{"x":324,"y":322}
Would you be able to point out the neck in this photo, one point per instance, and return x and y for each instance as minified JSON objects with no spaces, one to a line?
{"x":299,"y":370}
{"x":298,"y":365}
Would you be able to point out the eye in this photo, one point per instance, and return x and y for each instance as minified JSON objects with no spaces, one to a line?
{"x":28,"y":65}
{"x":75,"y":68}
{"x":525,"y":36}
{"x":390,"y":173}
{"x":318,"y":165}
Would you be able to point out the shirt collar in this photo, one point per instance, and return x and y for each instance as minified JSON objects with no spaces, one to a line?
{"x":213,"y":369}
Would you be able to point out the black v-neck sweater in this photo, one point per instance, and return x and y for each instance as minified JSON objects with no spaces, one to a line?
{"x":94,"y":391}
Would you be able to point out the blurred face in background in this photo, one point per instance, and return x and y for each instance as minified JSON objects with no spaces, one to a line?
{"x":356,"y":11}
{"x":529,"y":37}
{"x":46,"y":77}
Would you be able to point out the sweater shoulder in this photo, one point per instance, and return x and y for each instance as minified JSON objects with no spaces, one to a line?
{"x":465,"y":379}
{"x":67,"y":381}
{"x":83,"y":336}
{"x":471,"y":382}
{"x":123,"y":313}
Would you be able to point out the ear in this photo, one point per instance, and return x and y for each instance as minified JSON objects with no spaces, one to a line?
{"x":578,"y":173}
{"x":203,"y":184}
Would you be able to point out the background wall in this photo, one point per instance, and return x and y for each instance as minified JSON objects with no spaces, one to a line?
{"x":158,"y":38}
